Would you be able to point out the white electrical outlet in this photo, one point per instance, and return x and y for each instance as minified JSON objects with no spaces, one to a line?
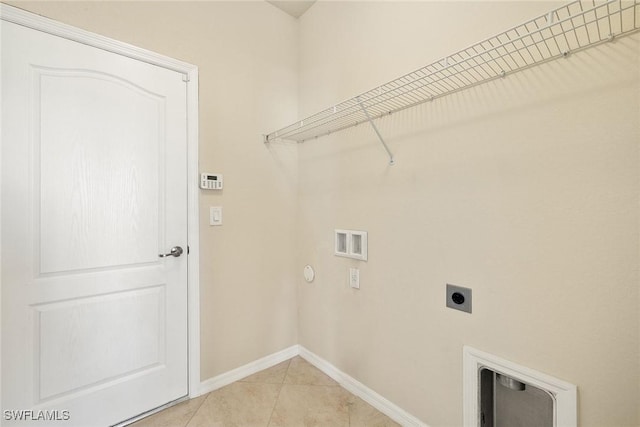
{"x":354,"y":278}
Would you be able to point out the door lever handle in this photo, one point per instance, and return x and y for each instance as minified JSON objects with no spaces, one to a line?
{"x":176,"y":251}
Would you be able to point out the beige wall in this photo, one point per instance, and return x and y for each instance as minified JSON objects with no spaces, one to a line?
{"x":247,"y":58}
{"x":524,"y":189}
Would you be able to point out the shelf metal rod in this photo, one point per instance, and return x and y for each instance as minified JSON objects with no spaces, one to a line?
{"x":375,"y":128}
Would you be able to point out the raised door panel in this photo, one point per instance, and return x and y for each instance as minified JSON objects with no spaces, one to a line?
{"x":98,"y":171}
{"x":127,"y":329}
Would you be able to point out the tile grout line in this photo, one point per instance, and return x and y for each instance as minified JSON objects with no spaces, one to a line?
{"x":300,"y":372}
{"x":279,"y":391}
{"x":197,"y":409}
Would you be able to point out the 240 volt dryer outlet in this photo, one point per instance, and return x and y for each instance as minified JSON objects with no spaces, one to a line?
{"x":459,"y":298}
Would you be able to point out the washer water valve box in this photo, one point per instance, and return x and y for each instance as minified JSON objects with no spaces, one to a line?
{"x":351,"y":244}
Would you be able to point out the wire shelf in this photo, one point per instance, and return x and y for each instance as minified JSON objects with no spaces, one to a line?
{"x":575,"y":26}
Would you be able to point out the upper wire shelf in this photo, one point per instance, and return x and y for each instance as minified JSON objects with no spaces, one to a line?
{"x":575,"y":26}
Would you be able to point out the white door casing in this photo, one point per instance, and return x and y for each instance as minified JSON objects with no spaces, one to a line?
{"x":93,"y":325}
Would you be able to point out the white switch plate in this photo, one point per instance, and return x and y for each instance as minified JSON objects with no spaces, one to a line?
{"x":215,"y":215}
{"x":354,"y":278}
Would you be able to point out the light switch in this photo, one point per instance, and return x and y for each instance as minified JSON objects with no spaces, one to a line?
{"x":215,"y":215}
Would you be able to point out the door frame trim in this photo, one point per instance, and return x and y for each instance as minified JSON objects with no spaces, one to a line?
{"x":190,"y":72}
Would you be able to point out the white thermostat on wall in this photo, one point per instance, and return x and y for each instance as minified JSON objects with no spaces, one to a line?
{"x":211,"y":181}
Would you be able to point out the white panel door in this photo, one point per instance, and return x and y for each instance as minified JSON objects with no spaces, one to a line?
{"x":94,"y":158}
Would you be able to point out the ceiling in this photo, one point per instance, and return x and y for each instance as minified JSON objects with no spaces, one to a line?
{"x":294,"y":8}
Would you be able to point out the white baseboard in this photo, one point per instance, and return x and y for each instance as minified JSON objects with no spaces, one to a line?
{"x":354,"y":386}
{"x":234,"y":375}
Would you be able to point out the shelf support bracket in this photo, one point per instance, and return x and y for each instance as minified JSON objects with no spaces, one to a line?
{"x":375,"y":128}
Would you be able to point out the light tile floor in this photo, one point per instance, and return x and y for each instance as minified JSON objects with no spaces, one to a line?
{"x":292,"y":393}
